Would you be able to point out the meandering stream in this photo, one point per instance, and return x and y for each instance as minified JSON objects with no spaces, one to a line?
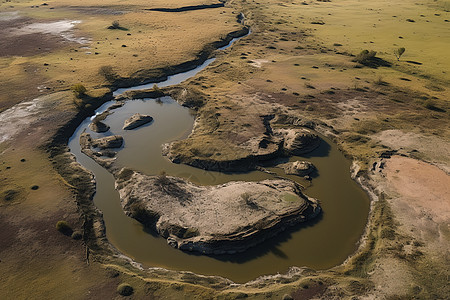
{"x":321,"y":244}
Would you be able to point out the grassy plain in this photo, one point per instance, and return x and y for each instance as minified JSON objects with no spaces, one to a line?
{"x":297,"y":64}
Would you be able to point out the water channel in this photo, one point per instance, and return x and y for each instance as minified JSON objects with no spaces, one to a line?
{"x":320,"y":244}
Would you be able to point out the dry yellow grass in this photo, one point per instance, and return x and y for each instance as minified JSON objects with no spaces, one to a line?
{"x":164,"y":39}
{"x":149,"y":40}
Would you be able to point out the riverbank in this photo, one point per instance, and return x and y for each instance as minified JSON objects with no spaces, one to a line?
{"x":367,"y":111}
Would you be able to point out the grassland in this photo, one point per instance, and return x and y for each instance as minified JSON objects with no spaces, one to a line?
{"x":297,"y":64}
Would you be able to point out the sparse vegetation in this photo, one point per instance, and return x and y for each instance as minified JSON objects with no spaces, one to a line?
{"x":108,"y":73}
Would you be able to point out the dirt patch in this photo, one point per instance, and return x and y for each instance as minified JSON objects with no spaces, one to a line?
{"x":25,"y":37}
{"x":416,"y":247}
{"x":429,"y":147}
{"x":30,"y":44}
{"x":422,"y":187}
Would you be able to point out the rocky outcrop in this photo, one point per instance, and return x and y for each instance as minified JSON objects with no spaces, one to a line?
{"x":228,"y":218}
{"x":108,"y":142}
{"x":136,"y":120}
{"x":298,"y":141}
{"x":103,"y":155}
{"x":98,"y":126}
{"x":272,"y":144}
{"x":300,"y":168}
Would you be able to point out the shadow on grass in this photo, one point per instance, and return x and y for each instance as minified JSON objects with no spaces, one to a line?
{"x":414,"y":62}
{"x":112,"y":27}
{"x":376,"y":62}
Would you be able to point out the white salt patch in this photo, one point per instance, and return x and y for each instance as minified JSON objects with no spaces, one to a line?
{"x":16,"y":118}
{"x":62,"y":28}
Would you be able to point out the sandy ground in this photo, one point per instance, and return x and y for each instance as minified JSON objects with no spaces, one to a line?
{"x":419,"y":196}
{"x":423,"y":202}
{"x":431,"y":148}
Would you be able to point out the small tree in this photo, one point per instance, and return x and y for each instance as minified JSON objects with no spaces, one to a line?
{"x":399,"y":52}
{"x":79,"y":90}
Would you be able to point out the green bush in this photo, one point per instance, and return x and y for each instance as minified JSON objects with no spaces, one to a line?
{"x":365,"y":56}
{"x":125,"y":289}
{"x":64,"y":227}
{"x":79,"y":90}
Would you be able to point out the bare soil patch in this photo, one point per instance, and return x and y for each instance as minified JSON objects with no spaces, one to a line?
{"x":27,"y":37}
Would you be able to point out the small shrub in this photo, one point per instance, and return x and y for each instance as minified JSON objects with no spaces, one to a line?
{"x":365,"y":56}
{"x":34,"y":187}
{"x":64,"y":227}
{"x":115,"y":25}
{"x":125,"y":289}
{"x":399,"y":52}
{"x":79,"y":90}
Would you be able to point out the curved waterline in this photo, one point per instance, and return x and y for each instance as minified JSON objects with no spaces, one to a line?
{"x":319,"y":245}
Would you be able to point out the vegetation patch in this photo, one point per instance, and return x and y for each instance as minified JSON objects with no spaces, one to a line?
{"x":64,"y":228}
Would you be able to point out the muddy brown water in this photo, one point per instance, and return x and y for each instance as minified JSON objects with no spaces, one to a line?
{"x":320,"y":244}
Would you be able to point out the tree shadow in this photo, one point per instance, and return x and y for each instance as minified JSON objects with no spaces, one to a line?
{"x":375,"y":62}
{"x":414,"y":62}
